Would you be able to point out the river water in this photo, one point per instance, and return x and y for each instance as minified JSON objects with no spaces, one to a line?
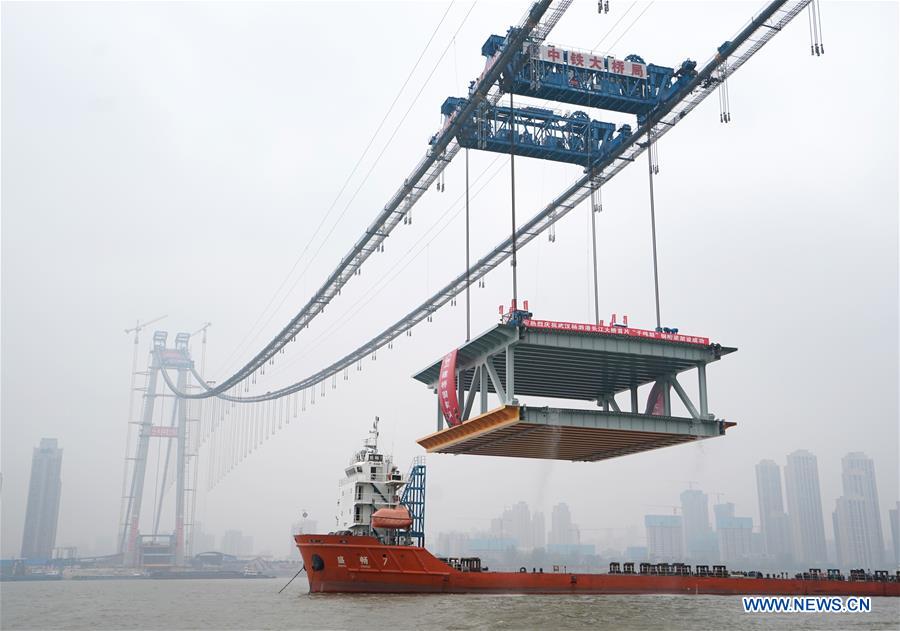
{"x":256,"y":604}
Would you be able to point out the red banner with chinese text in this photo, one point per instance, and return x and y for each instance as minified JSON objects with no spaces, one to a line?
{"x":447,"y":390}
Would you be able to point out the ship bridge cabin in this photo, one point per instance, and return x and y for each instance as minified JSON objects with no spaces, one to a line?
{"x":371,"y":482}
{"x":595,"y":368}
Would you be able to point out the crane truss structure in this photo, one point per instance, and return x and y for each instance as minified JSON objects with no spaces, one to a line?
{"x":539,"y":133}
{"x":727,"y":60}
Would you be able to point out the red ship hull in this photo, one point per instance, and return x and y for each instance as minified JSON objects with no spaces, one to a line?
{"x":341,"y":564}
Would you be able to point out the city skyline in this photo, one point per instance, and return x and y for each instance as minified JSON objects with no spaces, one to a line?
{"x":730,"y":537}
{"x":733,"y":539}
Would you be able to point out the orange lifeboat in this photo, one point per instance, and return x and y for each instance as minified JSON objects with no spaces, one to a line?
{"x":392,"y":518}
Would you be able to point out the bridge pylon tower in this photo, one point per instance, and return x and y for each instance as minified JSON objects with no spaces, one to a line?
{"x":161,"y":549}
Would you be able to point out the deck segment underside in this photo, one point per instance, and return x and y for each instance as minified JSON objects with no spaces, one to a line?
{"x":566,"y":434}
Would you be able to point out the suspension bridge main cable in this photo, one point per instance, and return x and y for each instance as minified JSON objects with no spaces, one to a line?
{"x":396,"y":209}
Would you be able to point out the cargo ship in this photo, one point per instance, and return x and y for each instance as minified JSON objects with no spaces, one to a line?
{"x":379,"y":548}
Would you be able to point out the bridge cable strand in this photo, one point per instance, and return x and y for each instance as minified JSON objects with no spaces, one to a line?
{"x":812,"y":38}
{"x":612,"y":28}
{"x":819,"y":16}
{"x":739,"y":49}
{"x":633,"y":22}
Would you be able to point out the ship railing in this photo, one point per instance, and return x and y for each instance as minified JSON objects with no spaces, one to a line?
{"x":396,"y":478}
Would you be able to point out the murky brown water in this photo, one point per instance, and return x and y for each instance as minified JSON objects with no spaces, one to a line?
{"x":255,"y":604}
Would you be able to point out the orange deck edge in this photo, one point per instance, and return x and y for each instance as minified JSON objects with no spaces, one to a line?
{"x":493,"y":420}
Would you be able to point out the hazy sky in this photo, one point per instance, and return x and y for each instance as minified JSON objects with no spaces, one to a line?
{"x":176,"y":159}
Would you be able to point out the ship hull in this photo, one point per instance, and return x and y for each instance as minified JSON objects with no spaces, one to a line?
{"x":349,"y":564}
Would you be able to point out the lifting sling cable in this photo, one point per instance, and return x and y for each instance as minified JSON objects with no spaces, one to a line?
{"x":512,"y":177}
{"x":592,"y":208}
{"x":740,"y":48}
{"x":468,"y":262}
{"x":653,"y":229}
{"x":594,"y":248}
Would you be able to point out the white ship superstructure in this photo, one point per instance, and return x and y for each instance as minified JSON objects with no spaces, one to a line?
{"x":371,"y":482}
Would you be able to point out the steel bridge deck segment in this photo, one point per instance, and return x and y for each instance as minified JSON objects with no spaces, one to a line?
{"x":574,"y":365}
{"x":566,"y":434}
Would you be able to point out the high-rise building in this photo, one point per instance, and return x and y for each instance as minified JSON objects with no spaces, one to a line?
{"x":773,"y":521}
{"x":665,"y":537}
{"x":804,"y":502}
{"x":894,"y":515}
{"x":42,"y":512}
{"x":735,"y":534}
{"x":699,"y":539}
{"x":857,"y":518}
{"x":722,"y":512}
{"x":562,"y":531}
{"x":520,"y":520}
{"x":850,"y":528}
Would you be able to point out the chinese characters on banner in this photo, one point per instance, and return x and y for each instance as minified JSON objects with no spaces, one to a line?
{"x":164,"y":432}
{"x":447,"y":390}
{"x":616,"y":330}
{"x":580,"y":59}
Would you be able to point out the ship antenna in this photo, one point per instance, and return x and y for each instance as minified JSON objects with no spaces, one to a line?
{"x":373,"y":436}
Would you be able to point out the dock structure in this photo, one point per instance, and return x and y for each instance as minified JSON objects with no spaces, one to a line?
{"x":579,"y":362}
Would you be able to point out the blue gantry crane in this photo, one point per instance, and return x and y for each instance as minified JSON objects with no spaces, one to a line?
{"x":539,"y":133}
{"x":583,"y":78}
{"x":628,"y":86}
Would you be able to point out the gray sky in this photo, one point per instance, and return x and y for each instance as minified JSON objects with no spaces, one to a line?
{"x":176,"y":159}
